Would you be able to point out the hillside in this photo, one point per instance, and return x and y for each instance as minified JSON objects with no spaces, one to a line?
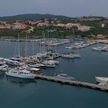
{"x":30,"y":17}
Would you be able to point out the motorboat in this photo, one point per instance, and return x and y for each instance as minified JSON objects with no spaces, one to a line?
{"x":47,"y":63}
{"x":101,"y":48}
{"x":70,"y":55}
{"x":103,"y":84}
{"x":102,"y":79}
{"x":20,"y":73}
{"x":32,"y":69}
{"x":97,"y":48}
{"x":13,"y":63}
{"x":36,"y":65}
{"x":50,"y":65}
{"x":28,"y":68}
{"x":19,"y":59}
{"x":3,"y":66}
{"x":54,"y":62}
{"x":65,"y":76}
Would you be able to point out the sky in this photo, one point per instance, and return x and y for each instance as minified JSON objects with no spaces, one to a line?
{"x":72,"y":8}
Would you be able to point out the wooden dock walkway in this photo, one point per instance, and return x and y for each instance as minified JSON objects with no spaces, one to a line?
{"x":73,"y":83}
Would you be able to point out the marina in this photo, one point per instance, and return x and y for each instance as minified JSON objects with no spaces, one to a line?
{"x":51,"y":69}
{"x":53,"y":54}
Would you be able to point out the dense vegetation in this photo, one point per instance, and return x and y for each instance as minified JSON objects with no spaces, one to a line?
{"x":52,"y":31}
{"x":26,"y":17}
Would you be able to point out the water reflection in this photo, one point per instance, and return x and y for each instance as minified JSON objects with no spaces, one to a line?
{"x":20,"y":82}
{"x":2,"y":74}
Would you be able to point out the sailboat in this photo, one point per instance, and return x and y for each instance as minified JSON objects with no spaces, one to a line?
{"x":15,"y":61}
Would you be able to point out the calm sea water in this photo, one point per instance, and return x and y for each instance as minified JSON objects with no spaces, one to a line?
{"x":15,"y":93}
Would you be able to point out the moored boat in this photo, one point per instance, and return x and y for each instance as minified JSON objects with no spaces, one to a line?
{"x":102,"y":79}
{"x":65,"y":76}
{"x":3,"y":67}
{"x":70,"y":55}
{"x":20,"y":73}
{"x":13,"y":63}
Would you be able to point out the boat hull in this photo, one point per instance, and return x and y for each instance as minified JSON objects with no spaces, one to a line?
{"x":102,"y":79}
{"x":21,"y":76}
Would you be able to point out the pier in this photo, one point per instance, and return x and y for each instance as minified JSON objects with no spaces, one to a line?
{"x":73,"y":83}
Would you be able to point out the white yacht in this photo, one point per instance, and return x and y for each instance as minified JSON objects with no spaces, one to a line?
{"x":97,"y":48}
{"x":37,"y":65}
{"x":53,"y":61}
{"x":13,"y":63}
{"x":26,"y":67}
{"x":101,"y":48}
{"x":65,"y":76}
{"x":3,"y":66}
{"x":70,"y":55}
{"x":102,"y":79}
{"x":16,"y":59}
{"x":20,"y":73}
{"x":47,"y":63}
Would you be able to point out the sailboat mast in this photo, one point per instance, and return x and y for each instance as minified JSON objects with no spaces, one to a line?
{"x":26,"y":46}
{"x":18,"y":46}
{"x":33,"y":48}
{"x":44,"y":40}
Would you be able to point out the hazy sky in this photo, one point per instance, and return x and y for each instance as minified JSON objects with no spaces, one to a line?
{"x":61,"y":7}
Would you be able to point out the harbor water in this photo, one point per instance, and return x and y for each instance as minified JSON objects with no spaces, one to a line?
{"x":18,"y":93}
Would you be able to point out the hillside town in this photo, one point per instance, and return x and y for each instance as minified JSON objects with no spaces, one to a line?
{"x":89,"y":27}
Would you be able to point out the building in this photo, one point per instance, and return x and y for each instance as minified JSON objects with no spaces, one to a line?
{"x":88,"y":18}
{"x":19,"y":26}
{"x":60,"y":25}
{"x":46,"y":21}
{"x":3,"y":22}
{"x":34,"y":22}
{"x":52,"y":22}
{"x":83,"y":28}
{"x":101,"y":36}
{"x":7,"y":26}
{"x":69,"y":25}
{"x":42,"y":24}
{"x":102,"y":25}
{"x":2,"y":26}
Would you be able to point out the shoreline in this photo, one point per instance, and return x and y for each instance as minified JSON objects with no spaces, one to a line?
{"x":22,"y":38}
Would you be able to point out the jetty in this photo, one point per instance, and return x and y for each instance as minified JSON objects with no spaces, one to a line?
{"x":73,"y":83}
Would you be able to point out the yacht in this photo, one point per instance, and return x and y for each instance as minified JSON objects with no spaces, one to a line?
{"x":103,"y":84}
{"x":20,"y":73}
{"x":97,"y":48}
{"x":70,"y":56}
{"x":32,"y":69}
{"x":53,"y":61}
{"x":13,"y":63}
{"x":36,"y":65}
{"x":26,"y":67}
{"x":47,"y":63}
{"x":3,"y":66}
{"x":101,"y":48}
{"x":19,"y":59}
{"x":65,"y":76}
{"x":102,"y":79}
